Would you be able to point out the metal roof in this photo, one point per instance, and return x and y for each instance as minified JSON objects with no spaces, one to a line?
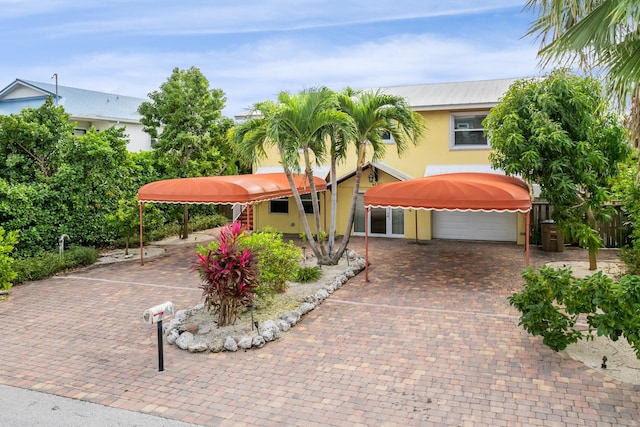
{"x":454,"y":95}
{"x":79,"y":103}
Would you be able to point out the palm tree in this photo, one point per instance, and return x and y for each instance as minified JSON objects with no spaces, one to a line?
{"x":375,"y":113}
{"x":298,"y":126}
{"x":595,"y":35}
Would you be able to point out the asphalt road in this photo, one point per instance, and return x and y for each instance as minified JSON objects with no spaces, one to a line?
{"x":22,"y":408}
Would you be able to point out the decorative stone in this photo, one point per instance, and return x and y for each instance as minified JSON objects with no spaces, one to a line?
{"x":245,"y":343}
{"x":198,"y":346}
{"x":204,"y":329}
{"x":269,"y":331}
{"x":173,"y":336}
{"x":329,"y":288}
{"x":216,"y":346}
{"x":184,"y":340}
{"x":230,"y":344}
{"x":306,"y":307}
{"x":291,"y":317}
{"x":258,"y":341}
{"x":322,"y":294}
{"x":192,"y":328}
{"x":283,"y":325}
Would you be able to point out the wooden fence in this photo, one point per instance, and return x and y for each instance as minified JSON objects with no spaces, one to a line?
{"x":614,"y":233}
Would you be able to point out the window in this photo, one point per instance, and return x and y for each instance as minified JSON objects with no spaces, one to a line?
{"x":387,"y":138}
{"x":279,"y":206}
{"x":307,"y":204}
{"x":467,"y":131}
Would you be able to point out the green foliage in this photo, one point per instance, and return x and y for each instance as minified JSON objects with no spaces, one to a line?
{"x":559,"y":132}
{"x":306,"y":274}
{"x":7,"y":272}
{"x":32,"y":142}
{"x":628,"y":192}
{"x":185,"y":116}
{"x":278,"y":261}
{"x":229,"y":275}
{"x":552,"y":300}
{"x":49,"y":263}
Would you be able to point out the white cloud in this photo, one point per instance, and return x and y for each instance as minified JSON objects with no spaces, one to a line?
{"x":230,"y":17}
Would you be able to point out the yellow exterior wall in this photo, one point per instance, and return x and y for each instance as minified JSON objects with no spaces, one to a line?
{"x":432,"y":149}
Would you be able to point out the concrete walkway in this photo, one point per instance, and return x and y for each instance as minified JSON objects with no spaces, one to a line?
{"x":430,"y":340}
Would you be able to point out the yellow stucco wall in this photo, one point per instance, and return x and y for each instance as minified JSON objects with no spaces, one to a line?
{"x":432,"y":149}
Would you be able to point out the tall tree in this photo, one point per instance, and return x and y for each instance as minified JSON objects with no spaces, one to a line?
{"x":185,"y":117}
{"x":375,"y":113}
{"x":297,"y":125}
{"x":600,"y":35}
{"x":560,"y":133}
{"x":32,"y":143}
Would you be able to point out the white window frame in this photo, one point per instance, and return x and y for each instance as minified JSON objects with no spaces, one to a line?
{"x":388,"y":140}
{"x":453,"y":130}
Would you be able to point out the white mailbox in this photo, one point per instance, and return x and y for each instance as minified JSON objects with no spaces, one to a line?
{"x":158,"y":313}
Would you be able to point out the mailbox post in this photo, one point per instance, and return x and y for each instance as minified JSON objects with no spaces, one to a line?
{"x":155,"y":315}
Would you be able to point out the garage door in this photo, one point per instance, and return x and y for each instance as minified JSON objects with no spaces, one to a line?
{"x":497,"y":226}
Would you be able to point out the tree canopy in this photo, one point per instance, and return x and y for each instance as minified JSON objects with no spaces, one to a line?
{"x":559,"y":132}
{"x":309,"y":126}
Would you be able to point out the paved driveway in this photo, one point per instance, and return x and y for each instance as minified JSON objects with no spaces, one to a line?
{"x":430,"y":340}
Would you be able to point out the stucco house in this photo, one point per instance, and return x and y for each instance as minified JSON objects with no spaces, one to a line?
{"x":87,"y":108}
{"x":454,"y":142}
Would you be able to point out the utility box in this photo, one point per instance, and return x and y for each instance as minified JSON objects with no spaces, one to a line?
{"x":552,"y":240}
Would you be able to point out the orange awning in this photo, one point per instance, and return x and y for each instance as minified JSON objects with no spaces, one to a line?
{"x":469,"y":191}
{"x":231,"y":189}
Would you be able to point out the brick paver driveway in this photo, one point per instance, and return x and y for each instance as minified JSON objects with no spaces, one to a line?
{"x":430,"y":340}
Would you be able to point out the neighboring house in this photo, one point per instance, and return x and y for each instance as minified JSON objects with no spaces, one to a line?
{"x":454,"y":142}
{"x":87,"y":108}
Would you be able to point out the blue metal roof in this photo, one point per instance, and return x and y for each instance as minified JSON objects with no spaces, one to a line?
{"x":79,"y":103}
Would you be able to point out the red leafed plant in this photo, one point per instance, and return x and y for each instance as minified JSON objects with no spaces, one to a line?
{"x":229,"y":275}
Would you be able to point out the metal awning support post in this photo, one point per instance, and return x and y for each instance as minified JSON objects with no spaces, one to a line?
{"x":526,"y":237}
{"x":416,"y":217}
{"x":141,"y":204}
{"x":366,"y":243}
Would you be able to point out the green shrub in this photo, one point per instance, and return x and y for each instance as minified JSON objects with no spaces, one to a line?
{"x":206,"y":222}
{"x":7,"y":272}
{"x":49,"y":263}
{"x":278,"y":261}
{"x":552,"y":300}
{"x":308,"y":274}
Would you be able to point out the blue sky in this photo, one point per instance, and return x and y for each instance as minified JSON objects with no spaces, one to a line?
{"x":254,"y":49}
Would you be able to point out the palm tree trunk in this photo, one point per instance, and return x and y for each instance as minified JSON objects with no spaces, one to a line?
{"x":334,"y":203}
{"x":314,"y":204}
{"x":303,"y":217}
{"x":352,"y":209}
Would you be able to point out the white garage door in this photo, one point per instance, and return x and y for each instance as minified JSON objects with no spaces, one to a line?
{"x":497,"y":226}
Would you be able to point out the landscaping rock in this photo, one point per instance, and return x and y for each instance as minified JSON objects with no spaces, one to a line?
{"x":245,"y":343}
{"x":198,"y":346}
{"x":184,"y":340}
{"x":306,"y":307}
{"x":230,"y":344}
{"x":291,"y":317}
{"x":258,"y":341}
{"x":322,"y":294}
{"x":269,"y":331}
{"x":283,"y":325}
{"x":216,"y":346}
{"x":173,"y":336}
